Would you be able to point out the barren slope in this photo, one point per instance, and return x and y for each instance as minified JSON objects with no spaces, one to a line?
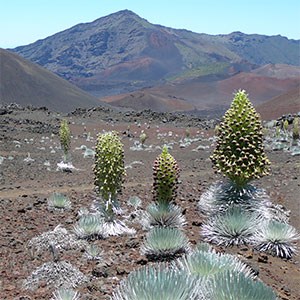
{"x":26,"y":83}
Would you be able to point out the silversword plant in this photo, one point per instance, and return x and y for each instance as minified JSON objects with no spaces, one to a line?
{"x":235,"y":286}
{"x":295,"y":134}
{"x":163,"y":243}
{"x":109,"y":166}
{"x":65,"y":138}
{"x":153,"y":283}
{"x":58,"y":201}
{"x":163,"y":212}
{"x":65,"y":294}
{"x":90,"y":227}
{"x":143,"y":138}
{"x":233,"y":227}
{"x":276,"y":238}
{"x":165,"y":175}
{"x":239,"y":153}
{"x":207,"y":263}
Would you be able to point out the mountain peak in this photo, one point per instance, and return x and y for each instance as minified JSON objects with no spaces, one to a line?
{"x":124,"y":12}
{"x":125,"y":48}
{"x":121,"y":14}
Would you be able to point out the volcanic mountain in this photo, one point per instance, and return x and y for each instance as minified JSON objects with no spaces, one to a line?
{"x":213,"y":93}
{"x":123,"y":52}
{"x":25,"y":83}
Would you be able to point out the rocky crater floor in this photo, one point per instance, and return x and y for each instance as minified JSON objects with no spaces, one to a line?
{"x":29,"y":153}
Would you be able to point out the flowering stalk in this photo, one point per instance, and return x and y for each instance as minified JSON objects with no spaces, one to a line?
{"x":65,"y":138}
{"x":165,"y":174}
{"x":109,"y":166}
{"x":239,"y":153}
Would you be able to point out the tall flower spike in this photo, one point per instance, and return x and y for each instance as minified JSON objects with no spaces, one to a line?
{"x":295,"y":134}
{"x":65,"y":137}
{"x":109,"y":166}
{"x":165,"y":174}
{"x":239,"y":152}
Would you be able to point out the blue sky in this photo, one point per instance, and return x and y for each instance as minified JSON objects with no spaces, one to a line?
{"x":25,"y":21}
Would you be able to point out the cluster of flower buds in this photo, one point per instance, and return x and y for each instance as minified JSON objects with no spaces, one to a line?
{"x":65,"y":136}
{"x":239,"y":153}
{"x":109,"y":166}
{"x":165,"y":174}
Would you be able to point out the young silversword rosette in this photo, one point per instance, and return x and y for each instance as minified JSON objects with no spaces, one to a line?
{"x":233,"y":227}
{"x":163,"y":215}
{"x":65,"y":294}
{"x":239,"y":152}
{"x":276,"y":238}
{"x":109,"y":166}
{"x":232,"y":285}
{"x":206,"y":264}
{"x":165,"y":175}
{"x":157,"y":282}
{"x":59,"y":202}
{"x":90,"y":227}
{"x":163,"y":243}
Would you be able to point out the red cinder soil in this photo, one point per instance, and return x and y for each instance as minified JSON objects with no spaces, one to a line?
{"x":25,"y":187}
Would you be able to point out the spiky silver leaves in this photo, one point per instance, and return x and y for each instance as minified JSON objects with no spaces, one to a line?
{"x":206,"y":264}
{"x":65,"y":294}
{"x":153,"y":283}
{"x":202,"y":274}
{"x":90,"y":227}
{"x":233,"y":213}
{"x":233,"y":227}
{"x":163,"y":243}
{"x":276,"y":238}
{"x":93,"y":252}
{"x":163,"y":215}
{"x":235,"y":286}
{"x":58,"y":202}
{"x":222,"y":195}
{"x":117,"y":227}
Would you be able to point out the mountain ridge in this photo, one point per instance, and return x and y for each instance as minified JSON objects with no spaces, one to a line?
{"x":125,"y":52}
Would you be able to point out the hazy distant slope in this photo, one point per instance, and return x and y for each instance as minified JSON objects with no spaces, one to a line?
{"x":144,"y":99}
{"x":26,"y":83}
{"x":286,"y":103}
{"x":280,"y":71}
{"x":123,"y":52}
{"x":211,"y":94}
{"x":262,"y":49}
